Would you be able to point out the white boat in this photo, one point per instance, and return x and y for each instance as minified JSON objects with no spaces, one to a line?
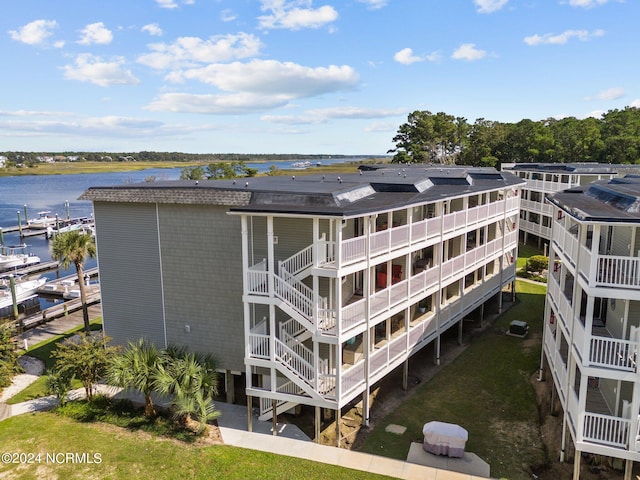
{"x":14,"y":256}
{"x":24,"y":290}
{"x":42,"y":221}
{"x":53,"y":231}
{"x":301,"y":164}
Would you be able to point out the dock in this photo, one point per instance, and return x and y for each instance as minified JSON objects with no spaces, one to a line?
{"x":26,"y":232}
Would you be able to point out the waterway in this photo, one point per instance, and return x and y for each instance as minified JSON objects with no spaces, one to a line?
{"x":25,"y":196}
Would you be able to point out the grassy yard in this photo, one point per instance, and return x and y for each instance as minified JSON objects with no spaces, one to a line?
{"x":43,"y":351}
{"x":125,"y":455}
{"x":488,"y":391}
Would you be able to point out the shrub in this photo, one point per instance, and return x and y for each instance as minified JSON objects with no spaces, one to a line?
{"x":537,"y":263}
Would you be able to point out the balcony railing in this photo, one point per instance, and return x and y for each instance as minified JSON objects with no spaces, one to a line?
{"x":544,"y":186}
{"x":354,"y":250}
{"x":617,"y":271}
{"x":606,"y":430}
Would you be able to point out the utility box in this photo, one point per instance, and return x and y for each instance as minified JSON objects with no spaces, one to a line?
{"x":518,"y":328}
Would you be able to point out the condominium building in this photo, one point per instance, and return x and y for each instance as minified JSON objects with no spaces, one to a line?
{"x":592,"y":317}
{"x":543,"y":179}
{"x":312,"y":288}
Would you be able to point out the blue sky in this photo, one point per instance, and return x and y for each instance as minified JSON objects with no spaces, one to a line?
{"x":300,"y":76}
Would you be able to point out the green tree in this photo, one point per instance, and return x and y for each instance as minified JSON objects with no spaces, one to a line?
{"x":192,"y":380}
{"x":137,"y":368}
{"x":8,"y":355}
{"x":75,"y":248}
{"x":192,"y":173}
{"x":59,"y":384}
{"x":86,"y":359}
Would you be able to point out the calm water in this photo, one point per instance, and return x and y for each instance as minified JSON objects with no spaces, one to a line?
{"x":51,"y":192}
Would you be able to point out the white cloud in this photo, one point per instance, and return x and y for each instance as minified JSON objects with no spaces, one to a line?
{"x":562,"y":38}
{"x":610,"y":94}
{"x":407,"y":57}
{"x":173,"y":3}
{"x":95,"y":33}
{"x":635,"y":103}
{"x":255,"y":86}
{"x":468,"y":52}
{"x":375,"y":4}
{"x":90,"y":68}
{"x":381,"y":127}
{"x":270,"y":77}
{"x":240,"y":103}
{"x":489,"y":6}
{"x":35,"y":33}
{"x":323,"y":115}
{"x":295,"y":14}
{"x":357,"y":112}
{"x":152,"y":29}
{"x":587,"y":3}
{"x":191,"y":51}
{"x":227,"y":15}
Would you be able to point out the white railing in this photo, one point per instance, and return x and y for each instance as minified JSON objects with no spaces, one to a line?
{"x":535,"y":228}
{"x":298,"y":348}
{"x":538,"y":207}
{"x":353,"y":250}
{"x":297,"y":262}
{"x":257,"y":279}
{"x":290,"y":388}
{"x":544,"y":186}
{"x":259,"y":346}
{"x":566,"y":242}
{"x":618,"y":271}
{"x":298,"y":301}
{"x":606,"y":430}
{"x":352,"y":379}
{"x":613,"y":353}
{"x":298,"y":365}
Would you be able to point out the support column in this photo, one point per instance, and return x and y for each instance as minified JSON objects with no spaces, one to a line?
{"x":274,"y":417}
{"x":249,"y":413}
{"x":365,"y":407}
{"x":460,"y":328}
{"x":481,"y":314}
{"x":405,"y":375}
{"x":436,"y":359}
{"x":338,"y":418}
{"x":628,"y":470}
{"x":229,"y":386}
{"x":576,"y":465}
{"x":317,"y":423}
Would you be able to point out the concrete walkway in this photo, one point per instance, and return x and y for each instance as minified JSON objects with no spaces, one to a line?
{"x":289,"y":441}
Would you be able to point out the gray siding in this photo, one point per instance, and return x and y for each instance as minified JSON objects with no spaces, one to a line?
{"x":130,"y":278}
{"x":621,"y":240}
{"x":202,"y":274}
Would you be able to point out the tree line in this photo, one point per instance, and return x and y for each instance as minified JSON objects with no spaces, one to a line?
{"x":15,"y":157}
{"x":442,"y":138}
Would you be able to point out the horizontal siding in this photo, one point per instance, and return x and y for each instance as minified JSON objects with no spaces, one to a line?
{"x":130,"y":279}
{"x":202,"y":273}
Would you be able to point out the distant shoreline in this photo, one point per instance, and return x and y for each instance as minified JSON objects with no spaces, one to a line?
{"x":70,"y":168}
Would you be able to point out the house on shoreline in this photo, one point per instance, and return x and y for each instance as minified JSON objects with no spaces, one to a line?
{"x":313,"y":288}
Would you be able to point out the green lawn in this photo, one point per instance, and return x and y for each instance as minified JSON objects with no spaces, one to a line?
{"x":488,"y":391}
{"x":43,"y":351}
{"x":126,"y":455}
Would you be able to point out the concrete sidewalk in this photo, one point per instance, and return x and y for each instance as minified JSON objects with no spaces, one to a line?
{"x":289,"y":441}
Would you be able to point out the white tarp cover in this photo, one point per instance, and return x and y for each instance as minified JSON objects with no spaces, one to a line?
{"x":444,"y":438}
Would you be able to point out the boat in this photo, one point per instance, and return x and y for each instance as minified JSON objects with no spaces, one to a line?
{"x":306,"y":164}
{"x":24,"y":289}
{"x":14,"y":256}
{"x":42,"y":221}
{"x":52,"y":231}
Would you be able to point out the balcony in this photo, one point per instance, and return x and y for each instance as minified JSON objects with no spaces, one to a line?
{"x":416,"y":235}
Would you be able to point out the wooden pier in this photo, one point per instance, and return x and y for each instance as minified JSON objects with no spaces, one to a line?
{"x":54,"y":312}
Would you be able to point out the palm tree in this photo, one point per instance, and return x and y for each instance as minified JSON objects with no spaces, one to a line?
{"x":193,"y":381}
{"x":137,"y":367}
{"x":75,"y":247}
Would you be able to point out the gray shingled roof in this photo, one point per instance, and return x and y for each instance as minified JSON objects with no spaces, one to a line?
{"x":615,"y":200}
{"x":576,"y":168}
{"x":374,"y":188}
